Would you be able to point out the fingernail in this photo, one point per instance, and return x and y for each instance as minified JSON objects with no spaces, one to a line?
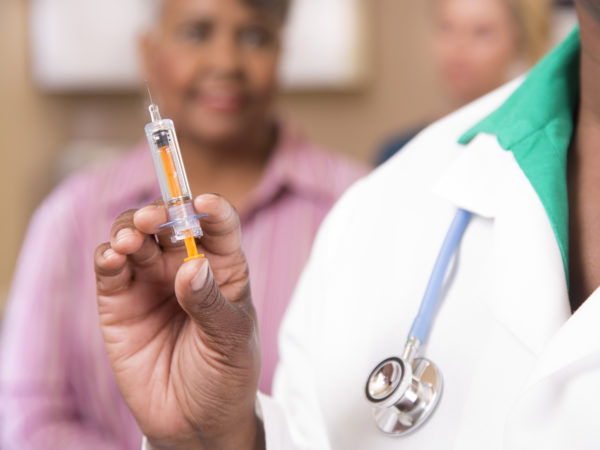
{"x":123,"y":234}
{"x":108,"y":253}
{"x":201,"y":276}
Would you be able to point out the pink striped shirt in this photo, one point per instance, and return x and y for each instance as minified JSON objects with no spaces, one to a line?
{"x":56,"y":388}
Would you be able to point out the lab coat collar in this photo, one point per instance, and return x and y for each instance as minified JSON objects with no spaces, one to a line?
{"x":536,"y":124}
{"x":487,"y":180}
{"x":513,"y":169}
{"x":471,"y":182}
{"x":534,"y":304}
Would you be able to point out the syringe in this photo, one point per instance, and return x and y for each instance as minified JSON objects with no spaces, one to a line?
{"x":173,"y":182}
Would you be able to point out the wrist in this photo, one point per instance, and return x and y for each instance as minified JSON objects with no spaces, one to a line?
{"x":251,"y":437}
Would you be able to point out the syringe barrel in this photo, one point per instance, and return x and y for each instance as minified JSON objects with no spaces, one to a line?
{"x":172,"y":178}
{"x":168,"y":164}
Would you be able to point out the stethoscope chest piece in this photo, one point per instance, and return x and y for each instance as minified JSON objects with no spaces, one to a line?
{"x":403,"y":395}
{"x":405,"y":391}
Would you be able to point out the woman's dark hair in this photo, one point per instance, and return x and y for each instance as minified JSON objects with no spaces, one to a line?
{"x":278,"y":7}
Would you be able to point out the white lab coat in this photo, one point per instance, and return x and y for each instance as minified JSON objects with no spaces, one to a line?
{"x":520,"y":371}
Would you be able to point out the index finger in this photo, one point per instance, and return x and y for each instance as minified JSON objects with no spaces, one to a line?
{"x":222,"y":235}
{"x":148,"y":220}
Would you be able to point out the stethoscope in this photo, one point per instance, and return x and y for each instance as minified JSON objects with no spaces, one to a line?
{"x":405,"y":391}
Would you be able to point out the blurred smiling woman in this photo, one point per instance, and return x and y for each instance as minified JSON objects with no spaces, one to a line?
{"x":211,"y":65}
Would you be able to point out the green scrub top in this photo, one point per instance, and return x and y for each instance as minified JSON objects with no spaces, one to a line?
{"x":536,"y":124}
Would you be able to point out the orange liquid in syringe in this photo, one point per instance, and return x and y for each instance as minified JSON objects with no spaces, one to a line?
{"x":170,"y":172}
{"x":176,"y":193}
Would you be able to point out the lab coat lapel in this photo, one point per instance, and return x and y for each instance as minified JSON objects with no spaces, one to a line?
{"x":529,"y":295}
{"x":578,"y":338}
{"x":559,"y":406}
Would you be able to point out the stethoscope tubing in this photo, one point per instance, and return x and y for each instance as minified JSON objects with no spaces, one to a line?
{"x":405,"y":391}
{"x":421,"y":325}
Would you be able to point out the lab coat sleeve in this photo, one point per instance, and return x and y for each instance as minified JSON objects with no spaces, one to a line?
{"x":277,"y":431}
{"x":295,"y":380}
{"x":296,"y":383}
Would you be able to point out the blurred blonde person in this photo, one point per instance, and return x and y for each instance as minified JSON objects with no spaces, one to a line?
{"x":478,"y":45}
{"x":212,"y":67}
{"x":481,"y":44}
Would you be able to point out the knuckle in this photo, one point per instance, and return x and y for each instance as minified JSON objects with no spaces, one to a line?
{"x":123,"y":220}
{"x":244,"y":327}
{"x":102,"y":272}
{"x":239,"y":336}
{"x":212,"y":297}
{"x":100,"y":249}
{"x":99,"y":260}
{"x":125,"y":216}
{"x":147,"y":254}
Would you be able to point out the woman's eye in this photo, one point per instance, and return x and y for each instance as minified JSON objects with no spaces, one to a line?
{"x":255,"y":37}
{"x":196,"y":33}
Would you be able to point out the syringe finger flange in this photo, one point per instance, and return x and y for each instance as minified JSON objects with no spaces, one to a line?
{"x":172,"y":222}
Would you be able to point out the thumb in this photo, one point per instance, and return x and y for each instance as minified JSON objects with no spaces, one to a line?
{"x":201,"y":298}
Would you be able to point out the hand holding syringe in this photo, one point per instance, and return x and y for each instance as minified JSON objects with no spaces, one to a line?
{"x":173,"y":181}
{"x":182,"y":337}
{"x":171,"y":328}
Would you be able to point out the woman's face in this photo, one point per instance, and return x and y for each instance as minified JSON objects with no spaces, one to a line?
{"x":475,"y":46}
{"x":212,"y":66}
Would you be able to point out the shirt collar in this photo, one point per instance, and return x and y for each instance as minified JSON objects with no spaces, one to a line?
{"x":290,"y":167}
{"x":536,"y":125}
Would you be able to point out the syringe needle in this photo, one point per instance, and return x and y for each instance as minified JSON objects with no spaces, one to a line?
{"x":149,"y":93}
{"x":153,"y":109}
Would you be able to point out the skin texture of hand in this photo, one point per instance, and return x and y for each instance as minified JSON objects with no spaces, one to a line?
{"x":182,"y":338}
